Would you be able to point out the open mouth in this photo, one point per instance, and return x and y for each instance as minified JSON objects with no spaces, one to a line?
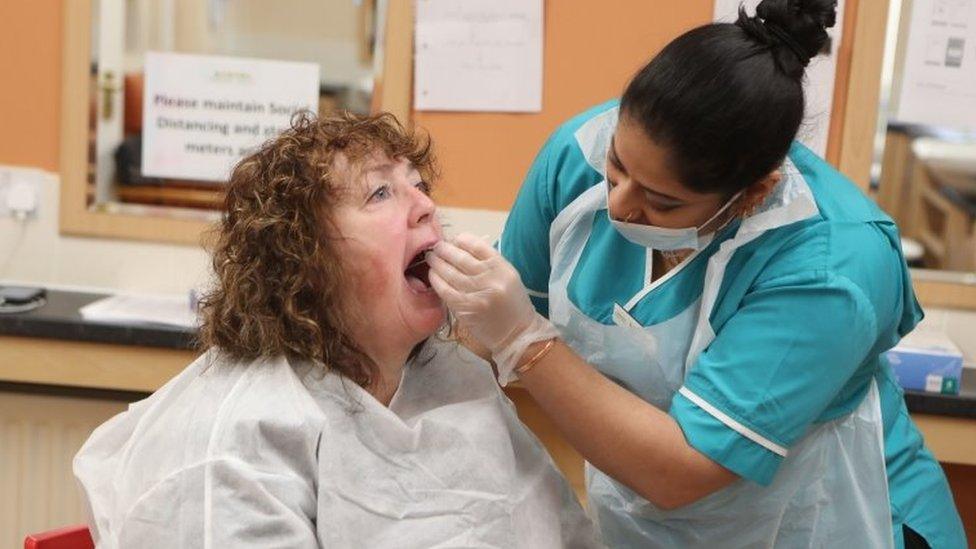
{"x":417,"y":272}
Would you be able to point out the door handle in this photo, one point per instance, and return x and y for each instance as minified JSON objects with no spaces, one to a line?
{"x":108,"y":88}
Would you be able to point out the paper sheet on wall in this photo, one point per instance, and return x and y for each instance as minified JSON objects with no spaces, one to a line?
{"x":938,"y":84}
{"x":478,"y":55}
{"x":821,"y":73}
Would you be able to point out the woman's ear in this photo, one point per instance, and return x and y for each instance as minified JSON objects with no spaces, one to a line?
{"x":756,"y":194}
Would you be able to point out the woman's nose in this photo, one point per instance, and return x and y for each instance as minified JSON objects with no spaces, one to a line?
{"x":623,"y":202}
{"x":423,"y":207}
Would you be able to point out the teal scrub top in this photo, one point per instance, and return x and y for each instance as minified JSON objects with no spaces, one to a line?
{"x":803,"y":317}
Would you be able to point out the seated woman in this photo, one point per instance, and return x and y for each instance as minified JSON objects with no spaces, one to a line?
{"x":324,"y":413}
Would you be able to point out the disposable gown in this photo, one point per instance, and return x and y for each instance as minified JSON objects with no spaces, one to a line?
{"x":278,"y":454}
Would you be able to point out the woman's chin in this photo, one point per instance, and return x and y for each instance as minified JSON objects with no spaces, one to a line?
{"x":429,"y":321}
{"x":422,"y":313}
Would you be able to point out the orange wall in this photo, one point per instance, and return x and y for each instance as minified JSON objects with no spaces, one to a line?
{"x":30,"y":82}
{"x":591,"y":50}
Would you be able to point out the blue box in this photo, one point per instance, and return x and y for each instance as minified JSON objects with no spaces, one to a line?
{"x":931,"y":364}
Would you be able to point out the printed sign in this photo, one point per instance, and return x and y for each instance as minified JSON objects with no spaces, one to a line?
{"x":201,"y":114}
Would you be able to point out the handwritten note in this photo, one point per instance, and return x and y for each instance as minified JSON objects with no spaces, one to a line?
{"x":478,"y":55}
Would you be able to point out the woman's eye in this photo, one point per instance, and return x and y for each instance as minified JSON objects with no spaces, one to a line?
{"x":381,"y":193}
{"x":424,"y":187}
{"x":663,"y":208}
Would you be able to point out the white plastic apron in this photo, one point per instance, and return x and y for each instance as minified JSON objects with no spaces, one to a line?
{"x":830,"y":490}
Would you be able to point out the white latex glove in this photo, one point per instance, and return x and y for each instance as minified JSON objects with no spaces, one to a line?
{"x":486,"y":295}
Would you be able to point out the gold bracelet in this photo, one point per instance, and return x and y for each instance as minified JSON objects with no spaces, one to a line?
{"x":538,"y":356}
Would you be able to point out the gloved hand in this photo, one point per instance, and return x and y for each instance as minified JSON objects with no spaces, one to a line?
{"x":486,"y":295}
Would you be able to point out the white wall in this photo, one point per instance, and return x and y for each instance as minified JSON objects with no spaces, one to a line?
{"x":36,"y":253}
{"x":959,"y":325}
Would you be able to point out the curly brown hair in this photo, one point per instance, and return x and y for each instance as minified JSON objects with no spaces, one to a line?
{"x":281,"y":286}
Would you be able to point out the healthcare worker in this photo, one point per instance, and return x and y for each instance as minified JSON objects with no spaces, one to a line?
{"x":712,"y":302}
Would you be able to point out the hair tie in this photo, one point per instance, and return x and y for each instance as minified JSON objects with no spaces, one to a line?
{"x":788,"y":41}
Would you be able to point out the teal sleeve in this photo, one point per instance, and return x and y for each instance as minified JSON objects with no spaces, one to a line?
{"x":559,"y":174}
{"x":525,"y":239}
{"x":773,"y":369}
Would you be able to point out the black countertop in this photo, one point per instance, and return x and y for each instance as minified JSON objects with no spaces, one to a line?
{"x":60,"y":319}
{"x":961,"y":405}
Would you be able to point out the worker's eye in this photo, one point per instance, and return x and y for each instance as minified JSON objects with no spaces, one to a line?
{"x":661,"y":205}
{"x":663,"y":208}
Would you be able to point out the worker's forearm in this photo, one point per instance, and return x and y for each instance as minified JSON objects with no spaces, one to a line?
{"x":620,"y":434}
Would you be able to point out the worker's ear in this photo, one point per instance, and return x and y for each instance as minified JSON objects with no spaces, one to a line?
{"x":756,"y":194}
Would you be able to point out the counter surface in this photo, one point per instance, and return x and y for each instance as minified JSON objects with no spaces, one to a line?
{"x":60,"y":319}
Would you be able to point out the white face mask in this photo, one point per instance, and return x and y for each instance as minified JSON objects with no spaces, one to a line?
{"x":663,"y":239}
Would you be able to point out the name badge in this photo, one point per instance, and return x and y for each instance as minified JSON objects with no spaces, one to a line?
{"x":622,"y":318}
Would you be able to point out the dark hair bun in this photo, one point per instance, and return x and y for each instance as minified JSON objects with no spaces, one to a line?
{"x":795,"y":30}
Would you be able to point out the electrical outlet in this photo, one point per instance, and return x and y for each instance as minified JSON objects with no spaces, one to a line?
{"x":20,"y":193}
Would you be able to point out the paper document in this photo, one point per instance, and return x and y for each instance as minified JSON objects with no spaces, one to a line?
{"x":137,"y":309}
{"x":938,"y":78}
{"x":478,"y":55}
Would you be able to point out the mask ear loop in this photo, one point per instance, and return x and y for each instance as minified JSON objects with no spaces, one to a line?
{"x":629,"y":217}
{"x":729,"y":206}
{"x":752,"y":201}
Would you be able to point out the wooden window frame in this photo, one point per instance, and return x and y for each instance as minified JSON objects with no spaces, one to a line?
{"x":78,"y":219}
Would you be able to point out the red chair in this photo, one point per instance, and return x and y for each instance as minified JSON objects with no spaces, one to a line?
{"x":69,"y":537}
